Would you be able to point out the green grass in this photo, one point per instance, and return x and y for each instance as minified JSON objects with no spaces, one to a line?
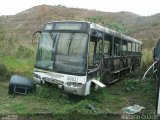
{"x":109,"y":100}
{"x":19,"y":66}
{"x":147,"y":59}
{"x":19,"y":59}
{"x":51,"y":101}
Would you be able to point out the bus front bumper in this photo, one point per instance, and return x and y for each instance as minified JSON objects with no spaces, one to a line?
{"x":74,"y":90}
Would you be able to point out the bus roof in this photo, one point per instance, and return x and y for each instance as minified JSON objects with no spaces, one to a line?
{"x":102,"y":29}
{"x":112,"y":32}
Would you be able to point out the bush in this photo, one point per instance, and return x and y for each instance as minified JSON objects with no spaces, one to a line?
{"x":4,"y":73}
{"x":117,"y":26}
{"x":97,"y":19}
{"x":131,"y":85}
{"x":147,"y":59}
{"x":24,"y":52}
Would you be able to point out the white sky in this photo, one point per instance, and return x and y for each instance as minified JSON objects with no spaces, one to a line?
{"x":141,"y":7}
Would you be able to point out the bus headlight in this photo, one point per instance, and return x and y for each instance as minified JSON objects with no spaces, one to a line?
{"x":74,"y":84}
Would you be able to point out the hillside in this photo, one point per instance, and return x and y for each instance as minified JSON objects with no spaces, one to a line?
{"x":17,"y":57}
{"x":23,"y":24}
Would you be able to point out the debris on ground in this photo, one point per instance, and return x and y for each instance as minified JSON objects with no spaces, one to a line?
{"x":20,"y":85}
{"x":92,"y":107}
{"x":132,"y":109}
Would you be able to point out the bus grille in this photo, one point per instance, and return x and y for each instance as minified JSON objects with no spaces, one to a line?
{"x":54,"y":81}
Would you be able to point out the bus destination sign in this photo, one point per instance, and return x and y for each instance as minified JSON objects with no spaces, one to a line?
{"x":67,"y":26}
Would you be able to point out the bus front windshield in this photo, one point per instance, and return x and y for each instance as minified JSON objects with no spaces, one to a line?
{"x":64,"y":52}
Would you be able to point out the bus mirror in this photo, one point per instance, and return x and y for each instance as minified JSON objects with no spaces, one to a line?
{"x":37,"y":32}
{"x":35,"y":36}
{"x":95,"y":34}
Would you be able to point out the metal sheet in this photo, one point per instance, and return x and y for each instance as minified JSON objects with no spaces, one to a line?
{"x":98,"y":83}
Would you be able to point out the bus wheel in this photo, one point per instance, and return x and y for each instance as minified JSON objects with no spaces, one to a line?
{"x":107,"y":79}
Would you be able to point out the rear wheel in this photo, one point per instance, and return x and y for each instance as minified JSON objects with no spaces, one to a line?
{"x":107,"y":78}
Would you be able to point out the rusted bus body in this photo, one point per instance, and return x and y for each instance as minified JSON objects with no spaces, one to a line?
{"x":80,"y":55}
{"x":121,"y":54}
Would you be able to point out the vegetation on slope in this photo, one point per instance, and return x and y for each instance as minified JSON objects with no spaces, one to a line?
{"x":25,"y":23}
{"x":17,"y":57}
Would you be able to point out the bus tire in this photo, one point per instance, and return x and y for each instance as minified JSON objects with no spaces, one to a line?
{"x":107,"y":79}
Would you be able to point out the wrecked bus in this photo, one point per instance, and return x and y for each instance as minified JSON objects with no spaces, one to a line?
{"x":79,"y":56}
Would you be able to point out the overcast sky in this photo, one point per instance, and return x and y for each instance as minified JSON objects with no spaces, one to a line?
{"x":141,"y":7}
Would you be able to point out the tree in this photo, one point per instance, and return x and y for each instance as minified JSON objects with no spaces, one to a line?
{"x":117,"y":26}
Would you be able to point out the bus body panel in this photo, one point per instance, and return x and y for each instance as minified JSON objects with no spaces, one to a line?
{"x":69,"y":83}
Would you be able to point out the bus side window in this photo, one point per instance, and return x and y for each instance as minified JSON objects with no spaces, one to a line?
{"x":98,"y":51}
{"x":106,"y":47}
{"x":133,"y":47}
{"x":129,"y":46}
{"x":91,"y":53}
{"x":95,"y":51}
{"x":124,"y":47}
{"x":117,"y":46}
{"x":107,"y":44}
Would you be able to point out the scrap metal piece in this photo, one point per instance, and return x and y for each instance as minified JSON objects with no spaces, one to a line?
{"x":92,"y":107}
{"x":148,"y":70}
{"x":98,"y":83}
{"x":132,"y":109}
{"x":20,"y":85}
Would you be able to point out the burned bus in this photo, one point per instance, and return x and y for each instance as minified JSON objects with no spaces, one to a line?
{"x":78,"y":56}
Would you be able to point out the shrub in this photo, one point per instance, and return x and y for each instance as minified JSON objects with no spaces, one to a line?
{"x":131,"y":85}
{"x":24,"y":52}
{"x":97,"y":19}
{"x":147,"y":59}
{"x":117,"y":26}
{"x":4,"y":72}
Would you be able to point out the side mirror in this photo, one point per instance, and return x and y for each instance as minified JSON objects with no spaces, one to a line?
{"x":37,"y":32}
{"x":34,"y":37}
{"x":94,"y":36}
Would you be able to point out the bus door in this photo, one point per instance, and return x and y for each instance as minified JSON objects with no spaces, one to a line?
{"x":95,"y":54}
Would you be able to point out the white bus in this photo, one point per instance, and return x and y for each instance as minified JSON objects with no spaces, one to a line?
{"x":79,"y":55}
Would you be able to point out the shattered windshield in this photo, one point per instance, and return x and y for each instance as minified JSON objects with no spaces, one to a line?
{"x":64,"y":52}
